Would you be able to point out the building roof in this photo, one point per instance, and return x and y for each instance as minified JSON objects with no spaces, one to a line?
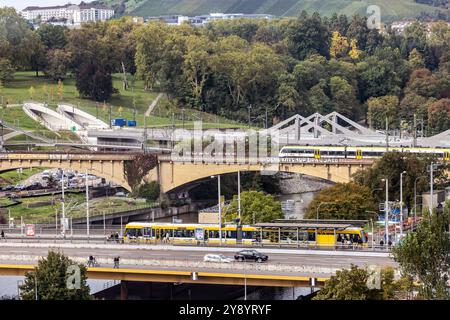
{"x":336,"y":226}
{"x":82,"y":5}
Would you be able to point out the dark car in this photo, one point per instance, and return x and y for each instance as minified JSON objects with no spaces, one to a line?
{"x":250,"y":255}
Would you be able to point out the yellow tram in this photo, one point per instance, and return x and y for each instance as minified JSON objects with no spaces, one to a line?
{"x":319,"y":235}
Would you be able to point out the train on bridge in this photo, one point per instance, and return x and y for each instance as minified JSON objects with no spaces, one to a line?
{"x":347,"y":152}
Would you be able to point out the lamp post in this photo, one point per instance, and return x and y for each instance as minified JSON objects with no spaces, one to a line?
{"x":386,"y":210}
{"x":239,"y":196}
{"x":401,"y":203}
{"x":317,"y":210}
{"x":87,"y":204}
{"x":220,"y":207}
{"x":415,"y":197}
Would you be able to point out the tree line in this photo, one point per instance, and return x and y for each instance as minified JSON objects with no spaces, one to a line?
{"x":243,"y":68}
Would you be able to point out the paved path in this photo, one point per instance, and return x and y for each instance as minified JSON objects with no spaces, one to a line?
{"x":153,"y":104}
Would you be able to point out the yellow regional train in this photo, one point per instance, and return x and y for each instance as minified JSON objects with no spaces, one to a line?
{"x":153,"y":232}
{"x":319,"y":152}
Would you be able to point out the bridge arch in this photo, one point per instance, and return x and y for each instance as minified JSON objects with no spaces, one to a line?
{"x":172,"y":175}
{"x":109,"y":170}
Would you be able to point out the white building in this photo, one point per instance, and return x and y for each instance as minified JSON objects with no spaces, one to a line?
{"x":204,"y":19}
{"x":72,"y":14}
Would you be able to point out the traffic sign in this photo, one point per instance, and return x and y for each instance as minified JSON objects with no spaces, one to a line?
{"x":30,"y":230}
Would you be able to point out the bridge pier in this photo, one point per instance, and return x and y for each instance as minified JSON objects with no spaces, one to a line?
{"x":123,"y":290}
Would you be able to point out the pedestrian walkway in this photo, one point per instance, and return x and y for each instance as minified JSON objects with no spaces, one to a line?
{"x":153,"y":104}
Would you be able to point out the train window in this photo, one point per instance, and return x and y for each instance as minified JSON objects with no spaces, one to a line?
{"x":247,"y":234}
{"x":351,"y":153}
{"x":131,"y":232}
{"x":147,"y":232}
{"x":138,"y":232}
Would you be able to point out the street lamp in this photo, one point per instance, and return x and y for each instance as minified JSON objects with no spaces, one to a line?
{"x":401,"y":203}
{"x":220,"y":207}
{"x":239,"y":196}
{"x":415,"y":197}
{"x":317,"y":210}
{"x":386,"y":210}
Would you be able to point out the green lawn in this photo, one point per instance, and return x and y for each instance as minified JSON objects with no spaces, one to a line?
{"x":75,"y":205}
{"x":13,"y":177}
{"x":121,"y":104}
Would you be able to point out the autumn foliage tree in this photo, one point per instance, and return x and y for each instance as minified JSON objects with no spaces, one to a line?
{"x":342,"y":201}
{"x":136,"y":169}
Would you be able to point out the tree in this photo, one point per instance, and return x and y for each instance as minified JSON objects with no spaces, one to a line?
{"x":415,"y":60}
{"x":339,"y":45}
{"x":343,"y":97}
{"x":58,"y":64}
{"x":51,"y":277}
{"x":439,"y":116}
{"x":94,"y":58}
{"x":352,"y":284}
{"x":390,"y":166}
{"x":136,"y":169}
{"x":52,"y":37}
{"x":342,"y":201}
{"x":255,"y":207}
{"x":381,"y":108}
{"x":6,"y":71}
{"x":16,"y":38}
{"x":423,"y":255}
{"x":308,"y":35}
{"x":149,"y":190}
{"x":94,"y":82}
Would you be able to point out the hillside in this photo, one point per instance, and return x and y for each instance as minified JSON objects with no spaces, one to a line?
{"x":390,"y":9}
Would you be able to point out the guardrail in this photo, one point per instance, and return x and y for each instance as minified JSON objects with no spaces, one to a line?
{"x":96,"y":236}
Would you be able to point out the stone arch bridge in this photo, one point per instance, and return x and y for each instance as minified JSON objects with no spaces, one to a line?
{"x":173,"y":174}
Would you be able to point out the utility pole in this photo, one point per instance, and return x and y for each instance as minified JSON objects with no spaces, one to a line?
{"x":63,"y":220}
{"x":144,"y":144}
{"x":386,"y":210}
{"x":415,"y":131}
{"x":249,"y":120}
{"x":267,"y":125}
{"x":87,"y":204}
{"x":401,"y":203}
{"x":110,"y":114}
{"x":387,"y":134}
{"x":220,"y":210}
{"x":431,"y":188}
{"x":239,"y":196}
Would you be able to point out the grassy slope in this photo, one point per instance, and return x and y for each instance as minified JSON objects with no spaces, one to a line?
{"x":17,"y":91}
{"x":390,"y":9}
{"x":13,"y":177}
{"x":75,"y":206}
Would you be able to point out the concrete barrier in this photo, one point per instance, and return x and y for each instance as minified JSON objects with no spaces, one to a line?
{"x":185,"y":264}
{"x":192,"y":248}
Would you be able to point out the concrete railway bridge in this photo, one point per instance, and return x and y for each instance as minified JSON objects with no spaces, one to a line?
{"x":174,"y":174}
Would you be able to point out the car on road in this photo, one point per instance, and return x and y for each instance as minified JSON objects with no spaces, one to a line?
{"x":8,"y":188}
{"x":19,"y":187}
{"x":254,"y":255}
{"x":34,"y":186}
{"x":216,"y":258}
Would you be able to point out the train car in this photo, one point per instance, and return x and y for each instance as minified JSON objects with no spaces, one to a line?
{"x":318,"y":152}
{"x":186,"y":233}
{"x":143,"y":232}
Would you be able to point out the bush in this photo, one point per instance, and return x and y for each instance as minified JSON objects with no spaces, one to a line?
{"x":149,"y":191}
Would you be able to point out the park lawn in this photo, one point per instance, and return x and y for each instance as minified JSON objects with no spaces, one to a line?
{"x":128,"y":104}
{"x":75,"y":204}
{"x":14,"y":177}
